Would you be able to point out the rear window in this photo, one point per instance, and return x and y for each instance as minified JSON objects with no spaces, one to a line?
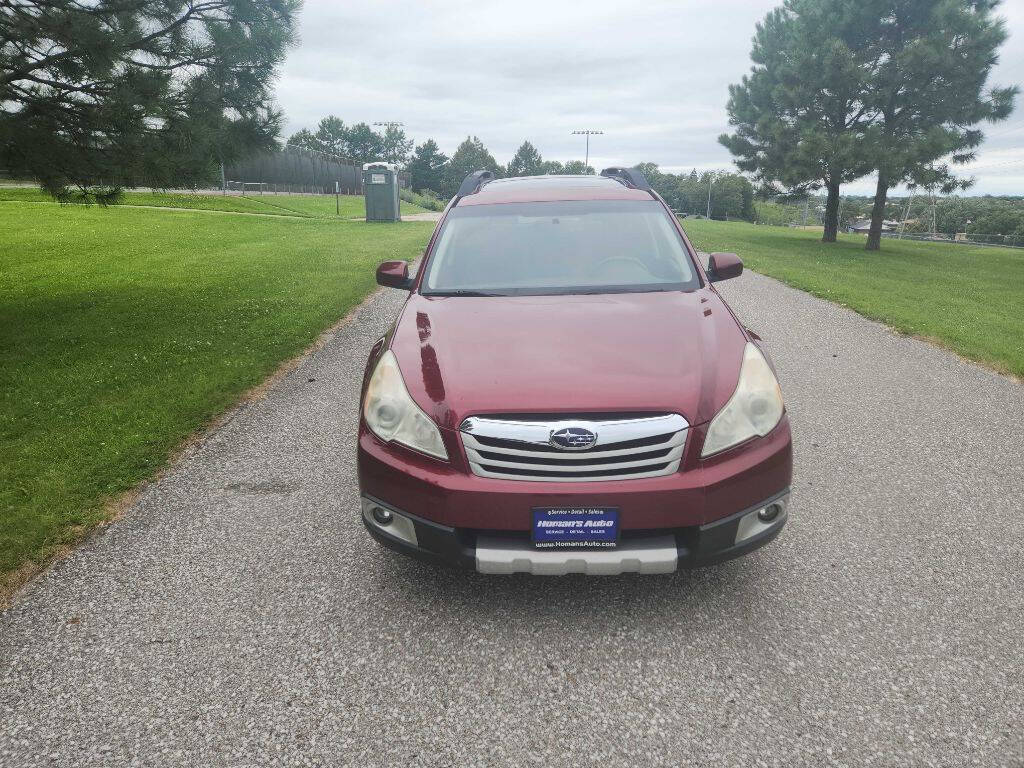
{"x":585,"y":246}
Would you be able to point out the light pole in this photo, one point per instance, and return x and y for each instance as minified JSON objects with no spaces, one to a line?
{"x":967,"y":225}
{"x":588,"y":134}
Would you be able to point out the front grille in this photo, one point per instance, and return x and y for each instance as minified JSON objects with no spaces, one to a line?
{"x":626,"y":447}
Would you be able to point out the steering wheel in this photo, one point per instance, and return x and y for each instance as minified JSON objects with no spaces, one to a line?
{"x":625,"y":259}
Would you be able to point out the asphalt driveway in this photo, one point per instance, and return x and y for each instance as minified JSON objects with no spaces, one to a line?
{"x":238,"y":615}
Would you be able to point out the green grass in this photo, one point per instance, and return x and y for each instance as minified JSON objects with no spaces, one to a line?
{"x":124,"y":330}
{"x":967,"y":298}
{"x":351,"y":206}
{"x":430,"y":202}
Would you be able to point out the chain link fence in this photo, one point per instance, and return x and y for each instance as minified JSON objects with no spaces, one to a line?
{"x":960,"y":238}
{"x":296,"y":170}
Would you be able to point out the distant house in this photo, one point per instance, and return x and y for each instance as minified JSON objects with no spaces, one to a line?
{"x":861,"y":226}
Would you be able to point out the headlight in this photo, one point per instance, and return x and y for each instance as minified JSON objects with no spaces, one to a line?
{"x":753,"y":410}
{"x":391,"y":413}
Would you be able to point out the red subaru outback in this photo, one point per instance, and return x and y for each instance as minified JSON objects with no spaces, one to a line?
{"x":565,"y":391}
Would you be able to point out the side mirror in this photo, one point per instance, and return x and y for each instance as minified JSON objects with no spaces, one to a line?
{"x":394,"y":274}
{"x":723,"y":266}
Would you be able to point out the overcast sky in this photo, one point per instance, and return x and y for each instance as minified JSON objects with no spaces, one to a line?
{"x":652,"y":75}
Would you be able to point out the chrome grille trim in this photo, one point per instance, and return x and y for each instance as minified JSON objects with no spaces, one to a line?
{"x":519,"y":450}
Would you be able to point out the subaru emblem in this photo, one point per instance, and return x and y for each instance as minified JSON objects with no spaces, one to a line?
{"x":572,"y":439}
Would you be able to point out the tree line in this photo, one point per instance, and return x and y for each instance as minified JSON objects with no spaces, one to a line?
{"x":841,"y":89}
{"x":433,"y":172}
{"x":995,"y":219}
{"x":991,"y":218}
{"x":715,"y":194}
{"x":430,"y":170}
{"x":119,"y":93}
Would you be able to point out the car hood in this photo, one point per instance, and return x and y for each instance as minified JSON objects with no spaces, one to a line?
{"x":661,"y":351}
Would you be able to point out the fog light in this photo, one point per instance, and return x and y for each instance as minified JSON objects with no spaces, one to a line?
{"x":769,"y":513}
{"x":382,"y":516}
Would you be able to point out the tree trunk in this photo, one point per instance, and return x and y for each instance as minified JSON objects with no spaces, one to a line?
{"x":831,"y":213}
{"x":878,"y":213}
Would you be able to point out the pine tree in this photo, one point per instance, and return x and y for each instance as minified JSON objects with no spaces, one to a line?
{"x":120,"y":93}
{"x":650,"y":171}
{"x":800,"y":116}
{"x":470,"y":156}
{"x":427,"y":166}
{"x":930,"y":91}
{"x":526,"y":161}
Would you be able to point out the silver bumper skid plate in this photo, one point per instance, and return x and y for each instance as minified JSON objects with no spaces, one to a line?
{"x":651,"y":555}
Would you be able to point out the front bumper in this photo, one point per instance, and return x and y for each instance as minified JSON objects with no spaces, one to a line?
{"x":702,"y":491}
{"x":502,"y":552}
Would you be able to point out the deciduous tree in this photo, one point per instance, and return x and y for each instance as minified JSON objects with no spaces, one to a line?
{"x":332,"y":136}
{"x":305,"y":139}
{"x":577,"y":168}
{"x":395,"y":146}
{"x":363,"y":144}
{"x":732,"y":195}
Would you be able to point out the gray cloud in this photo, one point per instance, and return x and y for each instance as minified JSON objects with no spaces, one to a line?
{"x":654,"y":76}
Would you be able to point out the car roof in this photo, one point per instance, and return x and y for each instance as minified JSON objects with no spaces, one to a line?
{"x":530,"y":189}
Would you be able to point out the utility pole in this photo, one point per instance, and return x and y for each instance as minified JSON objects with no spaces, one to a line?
{"x":588,"y":133}
{"x":711,"y":178}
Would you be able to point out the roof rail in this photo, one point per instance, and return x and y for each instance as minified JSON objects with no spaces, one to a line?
{"x":630,"y":176}
{"x":472,"y":183}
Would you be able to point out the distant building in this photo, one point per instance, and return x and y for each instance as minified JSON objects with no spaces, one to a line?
{"x":861,"y":226}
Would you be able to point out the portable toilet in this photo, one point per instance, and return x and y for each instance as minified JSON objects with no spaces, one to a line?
{"x":380,"y":190}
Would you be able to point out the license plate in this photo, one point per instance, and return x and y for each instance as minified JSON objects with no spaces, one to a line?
{"x":563,"y":528}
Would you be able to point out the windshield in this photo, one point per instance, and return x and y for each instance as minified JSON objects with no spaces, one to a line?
{"x":586,"y":246}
